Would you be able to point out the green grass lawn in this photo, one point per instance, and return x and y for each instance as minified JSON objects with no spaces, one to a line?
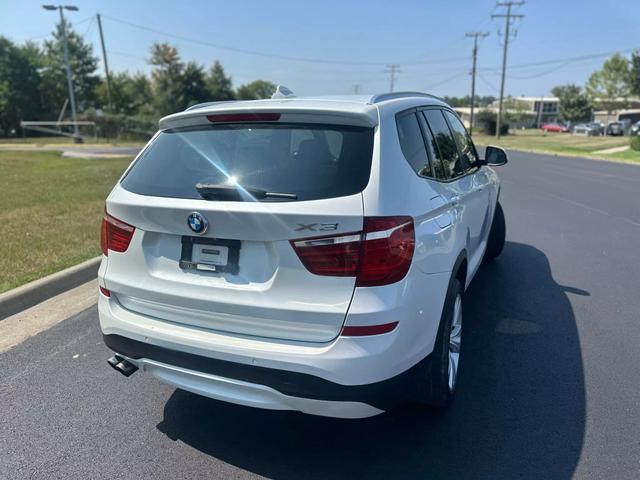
{"x":562,"y":144}
{"x":50,"y":212}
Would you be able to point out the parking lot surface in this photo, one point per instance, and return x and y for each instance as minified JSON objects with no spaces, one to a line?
{"x":549,"y":386}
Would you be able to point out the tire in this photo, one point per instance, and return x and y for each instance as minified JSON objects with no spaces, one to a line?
{"x":497,"y":235}
{"x":439,"y":374}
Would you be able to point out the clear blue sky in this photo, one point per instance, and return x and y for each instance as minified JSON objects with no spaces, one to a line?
{"x":365,"y":35}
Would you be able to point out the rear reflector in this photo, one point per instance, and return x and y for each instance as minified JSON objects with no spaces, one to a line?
{"x":379,"y":255}
{"x":104,"y":291}
{"x":115,"y":234}
{"x":243,"y":117}
{"x":361,"y":331}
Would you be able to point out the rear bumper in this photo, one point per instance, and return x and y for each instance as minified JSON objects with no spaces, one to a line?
{"x":266,"y":387}
{"x":378,"y":371}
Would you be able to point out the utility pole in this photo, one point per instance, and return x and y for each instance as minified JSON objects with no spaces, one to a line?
{"x":76,"y":134}
{"x":508,"y":16}
{"x":475,"y":36}
{"x":106,"y":64}
{"x":540,"y":105}
{"x":392,"y":70}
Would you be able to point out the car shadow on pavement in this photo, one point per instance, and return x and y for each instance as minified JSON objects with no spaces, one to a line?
{"x":519,"y":410}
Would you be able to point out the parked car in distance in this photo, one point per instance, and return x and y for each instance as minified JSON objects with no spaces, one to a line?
{"x":311,"y":254}
{"x":555,"y":127}
{"x":597,"y":127}
{"x":584,"y":129}
{"x":635,"y":128}
{"x":615,"y":129}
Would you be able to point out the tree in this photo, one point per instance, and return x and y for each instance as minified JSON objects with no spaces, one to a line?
{"x":466,"y":101}
{"x":256,"y":90}
{"x":167,"y":78}
{"x":573,"y":105}
{"x":141,"y":93}
{"x":609,"y":88}
{"x":20,"y":94}
{"x":83,"y":68}
{"x":129,"y":95}
{"x":219,"y":84}
{"x":194,"y":86}
{"x":515,"y":110}
{"x":488,"y":120}
{"x":635,"y":73}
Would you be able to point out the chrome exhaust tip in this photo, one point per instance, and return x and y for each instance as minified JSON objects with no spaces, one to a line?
{"x":122,"y":365}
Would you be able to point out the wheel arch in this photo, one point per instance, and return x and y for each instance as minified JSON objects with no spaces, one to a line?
{"x":459,"y":270}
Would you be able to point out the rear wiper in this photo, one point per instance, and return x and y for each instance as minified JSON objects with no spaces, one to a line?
{"x":222,"y":191}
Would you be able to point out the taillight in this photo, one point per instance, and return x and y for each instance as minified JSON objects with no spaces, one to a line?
{"x":379,"y":255}
{"x":115,"y":234}
{"x":336,"y":256}
{"x":104,"y":291}
{"x":387,"y":251}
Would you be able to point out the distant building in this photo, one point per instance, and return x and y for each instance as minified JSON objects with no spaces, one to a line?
{"x":630,"y":112}
{"x":521,"y":112}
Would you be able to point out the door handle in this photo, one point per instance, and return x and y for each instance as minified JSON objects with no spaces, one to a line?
{"x":455,"y":200}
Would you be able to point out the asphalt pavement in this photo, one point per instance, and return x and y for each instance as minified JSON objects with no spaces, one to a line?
{"x":549,"y":385}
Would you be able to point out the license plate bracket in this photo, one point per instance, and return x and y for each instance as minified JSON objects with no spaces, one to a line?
{"x":210,"y":255}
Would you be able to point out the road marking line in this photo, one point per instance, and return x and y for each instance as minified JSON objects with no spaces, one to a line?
{"x":23,"y":325}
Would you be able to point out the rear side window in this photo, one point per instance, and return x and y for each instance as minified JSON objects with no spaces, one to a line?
{"x":412,"y":143}
{"x":310,"y":161}
{"x":463,"y":139}
{"x":444,"y":145}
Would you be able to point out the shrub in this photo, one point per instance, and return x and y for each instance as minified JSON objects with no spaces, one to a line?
{"x":487,"y":121}
{"x":635,"y":142}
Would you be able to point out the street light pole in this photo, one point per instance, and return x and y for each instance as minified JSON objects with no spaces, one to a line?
{"x":72,"y":98}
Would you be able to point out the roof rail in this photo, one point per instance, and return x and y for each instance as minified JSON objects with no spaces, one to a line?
{"x":381,"y":97}
{"x":206,"y":104}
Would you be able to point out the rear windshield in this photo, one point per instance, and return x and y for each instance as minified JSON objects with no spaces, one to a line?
{"x":308,"y":161}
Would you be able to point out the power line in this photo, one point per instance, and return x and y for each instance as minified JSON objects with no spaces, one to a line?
{"x":493,"y":88}
{"x":271,"y":55}
{"x":69,"y":25}
{"x":446,"y":80}
{"x":508,"y":17}
{"x":475,"y":36}
{"x":392,"y":70}
{"x":562,"y":60}
{"x":124,"y":54}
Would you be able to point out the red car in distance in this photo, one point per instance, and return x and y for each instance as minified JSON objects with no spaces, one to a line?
{"x":554,"y":127}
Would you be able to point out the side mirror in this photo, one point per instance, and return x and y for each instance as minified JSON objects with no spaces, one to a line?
{"x":495,"y":156}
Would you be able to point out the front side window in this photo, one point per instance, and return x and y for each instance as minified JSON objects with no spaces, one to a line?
{"x":412,"y":144}
{"x":444,"y":146}
{"x":463,"y":139}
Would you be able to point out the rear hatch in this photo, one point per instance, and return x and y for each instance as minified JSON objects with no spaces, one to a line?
{"x":216,"y":208}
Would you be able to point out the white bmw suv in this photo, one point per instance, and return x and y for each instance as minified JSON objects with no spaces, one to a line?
{"x":305,"y":254}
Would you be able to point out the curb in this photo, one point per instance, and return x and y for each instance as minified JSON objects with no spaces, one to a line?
{"x":32,"y":293}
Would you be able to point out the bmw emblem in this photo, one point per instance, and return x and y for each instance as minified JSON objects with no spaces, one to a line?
{"x":197,"y":223}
